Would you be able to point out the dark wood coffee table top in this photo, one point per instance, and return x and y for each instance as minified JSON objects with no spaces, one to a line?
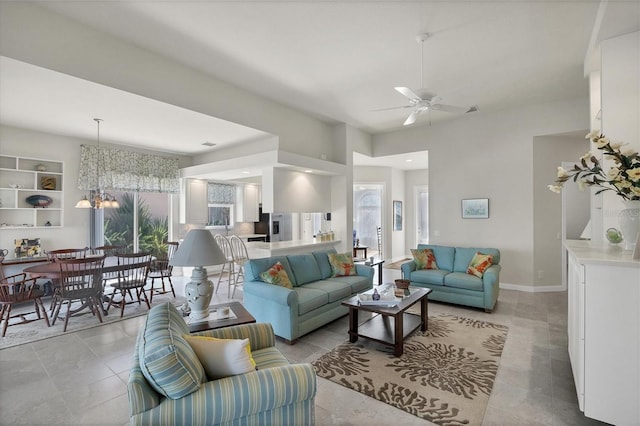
{"x":212,"y":322}
{"x":391,"y":324}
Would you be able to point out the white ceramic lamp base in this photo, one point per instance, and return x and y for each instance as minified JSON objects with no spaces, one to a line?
{"x":199,"y":292}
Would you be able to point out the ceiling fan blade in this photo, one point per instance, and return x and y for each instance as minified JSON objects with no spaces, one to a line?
{"x":454,"y":109}
{"x":412,"y":118}
{"x":387,"y":109}
{"x":405,"y":91}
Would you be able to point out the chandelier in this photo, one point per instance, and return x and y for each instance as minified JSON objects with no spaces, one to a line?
{"x":98,"y":198}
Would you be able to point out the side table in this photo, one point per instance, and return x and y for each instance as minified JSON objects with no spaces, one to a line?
{"x":242,"y":316}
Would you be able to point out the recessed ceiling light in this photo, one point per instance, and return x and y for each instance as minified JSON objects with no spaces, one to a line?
{"x":409,"y":160}
{"x":308,"y":171}
{"x":209,"y":144}
{"x":245,"y":172}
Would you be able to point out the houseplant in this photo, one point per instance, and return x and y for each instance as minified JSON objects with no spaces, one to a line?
{"x":623,"y":178}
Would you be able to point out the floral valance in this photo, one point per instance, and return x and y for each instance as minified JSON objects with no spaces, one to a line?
{"x":121,"y":170}
{"x":221,"y":193}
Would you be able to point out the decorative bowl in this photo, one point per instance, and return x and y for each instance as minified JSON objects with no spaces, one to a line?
{"x":403,"y":284}
{"x":614,"y":236}
{"x":39,"y":200}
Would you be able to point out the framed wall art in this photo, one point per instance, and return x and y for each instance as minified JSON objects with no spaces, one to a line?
{"x":475,"y":208}
{"x":397,"y":215}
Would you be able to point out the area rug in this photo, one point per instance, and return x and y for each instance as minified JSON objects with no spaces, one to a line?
{"x":38,"y":330}
{"x":445,"y":375}
{"x":395,"y":265}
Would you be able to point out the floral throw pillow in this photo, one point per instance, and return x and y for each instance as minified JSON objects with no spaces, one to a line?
{"x":342,"y":264}
{"x":424,"y":258}
{"x":479,"y":264}
{"x":276,"y":275}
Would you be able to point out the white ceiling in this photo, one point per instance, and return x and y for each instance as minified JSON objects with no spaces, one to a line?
{"x":335,"y":60}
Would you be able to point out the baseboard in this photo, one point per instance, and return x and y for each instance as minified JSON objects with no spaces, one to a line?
{"x":532,"y":288}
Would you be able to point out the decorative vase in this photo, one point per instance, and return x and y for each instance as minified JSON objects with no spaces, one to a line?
{"x":630,"y":223}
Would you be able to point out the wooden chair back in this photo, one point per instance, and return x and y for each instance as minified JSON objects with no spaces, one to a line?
{"x":133,"y":269}
{"x":71,"y":253}
{"x":108,"y":250}
{"x":80,"y":278}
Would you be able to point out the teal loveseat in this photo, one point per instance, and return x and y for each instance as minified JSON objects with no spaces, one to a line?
{"x":167,"y":384}
{"x":316,"y":298}
{"x":451,"y":283}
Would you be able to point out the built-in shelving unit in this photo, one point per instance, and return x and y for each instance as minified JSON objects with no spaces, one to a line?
{"x":22,"y":177}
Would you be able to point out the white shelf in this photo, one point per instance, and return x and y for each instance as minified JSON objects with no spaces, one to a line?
{"x":21,"y":177}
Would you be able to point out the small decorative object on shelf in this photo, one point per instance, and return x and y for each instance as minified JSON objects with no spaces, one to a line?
{"x":48,"y":183}
{"x":614,"y":236}
{"x":41,"y":168}
{"x":47,"y":223}
{"x":39,"y":200}
{"x":27,"y":247}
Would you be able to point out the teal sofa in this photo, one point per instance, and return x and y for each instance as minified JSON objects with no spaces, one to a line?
{"x":316,"y":297}
{"x":276,"y":393}
{"x":451,"y":283}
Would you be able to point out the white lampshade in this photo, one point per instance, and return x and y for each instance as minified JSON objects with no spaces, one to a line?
{"x":83,"y":204}
{"x":199,"y":248}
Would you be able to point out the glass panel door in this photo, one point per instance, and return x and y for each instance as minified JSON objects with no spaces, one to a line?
{"x":367,"y":215}
{"x":422,"y":214}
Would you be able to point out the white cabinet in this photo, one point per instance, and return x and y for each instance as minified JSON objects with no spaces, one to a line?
{"x":604,"y":331}
{"x":247,"y":203}
{"x":193,"y":202}
{"x":22,"y":177}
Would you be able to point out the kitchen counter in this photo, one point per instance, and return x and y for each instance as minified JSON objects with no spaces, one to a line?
{"x":588,"y":252}
{"x":258,"y":250}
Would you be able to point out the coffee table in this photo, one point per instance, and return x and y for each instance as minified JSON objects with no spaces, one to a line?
{"x":389,"y":325}
{"x":212,"y":322}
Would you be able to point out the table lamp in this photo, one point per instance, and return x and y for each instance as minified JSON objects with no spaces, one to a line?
{"x":198,"y":249}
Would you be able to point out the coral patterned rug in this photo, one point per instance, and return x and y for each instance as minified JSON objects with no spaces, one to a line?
{"x":445,"y":375}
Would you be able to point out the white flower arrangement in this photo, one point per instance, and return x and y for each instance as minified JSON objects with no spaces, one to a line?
{"x":623,"y":177}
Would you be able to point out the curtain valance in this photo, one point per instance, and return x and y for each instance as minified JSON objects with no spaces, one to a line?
{"x":221,"y":193}
{"x":121,"y":170}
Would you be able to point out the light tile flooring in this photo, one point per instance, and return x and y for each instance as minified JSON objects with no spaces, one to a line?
{"x":80,"y":378}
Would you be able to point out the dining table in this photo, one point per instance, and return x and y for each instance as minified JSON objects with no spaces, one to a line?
{"x":51,"y":270}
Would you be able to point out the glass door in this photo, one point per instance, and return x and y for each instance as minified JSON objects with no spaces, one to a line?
{"x":367,"y":215}
{"x":421,"y":194}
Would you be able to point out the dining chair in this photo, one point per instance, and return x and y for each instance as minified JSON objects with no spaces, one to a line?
{"x":16,"y":290}
{"x":132,"y":274}
{"x":160,"y":269}
{"x":240,"y":257}
{"x":80,"y":281}
{"x":71,"y":253}
{"x":225,"y":245}
{"x":108,"y":250}
{"x":108,"y":277}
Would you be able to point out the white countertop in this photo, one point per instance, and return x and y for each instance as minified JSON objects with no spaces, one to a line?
{"x":259,"y":249}
{"x":587,"y":251}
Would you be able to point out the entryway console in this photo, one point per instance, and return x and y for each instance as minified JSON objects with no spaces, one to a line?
{"x":604,"y":331}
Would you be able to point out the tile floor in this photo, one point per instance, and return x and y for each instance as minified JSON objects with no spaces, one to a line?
{"x":80,"y":378}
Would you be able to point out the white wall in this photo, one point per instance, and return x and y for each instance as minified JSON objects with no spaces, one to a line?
{"x":620,"y":91}
{"x":487,"y":155}
{"x":299,"y":192}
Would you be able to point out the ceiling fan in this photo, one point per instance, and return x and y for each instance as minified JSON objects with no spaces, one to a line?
{"x":422,"y":100}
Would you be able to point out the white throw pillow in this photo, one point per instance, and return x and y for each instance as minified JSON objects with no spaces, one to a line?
{"x":222,"y":357}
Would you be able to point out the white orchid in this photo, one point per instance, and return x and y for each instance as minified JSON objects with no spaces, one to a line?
{"x":623,"y":178}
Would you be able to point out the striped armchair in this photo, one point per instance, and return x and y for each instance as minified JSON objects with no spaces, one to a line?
{"x":278,"y":393}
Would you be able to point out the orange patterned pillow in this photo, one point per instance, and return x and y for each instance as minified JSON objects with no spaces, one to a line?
{"x":479,"y":264}
{"x":342,"y":264}
{"x":277,"y":275}
{"x":424,"y":258}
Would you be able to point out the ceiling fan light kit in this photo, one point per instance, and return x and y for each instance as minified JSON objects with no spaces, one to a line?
{"x":422,"y":100}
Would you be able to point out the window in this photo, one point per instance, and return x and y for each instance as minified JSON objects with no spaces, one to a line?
{"x":141,"y":223}
{"x":221,"y":215}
